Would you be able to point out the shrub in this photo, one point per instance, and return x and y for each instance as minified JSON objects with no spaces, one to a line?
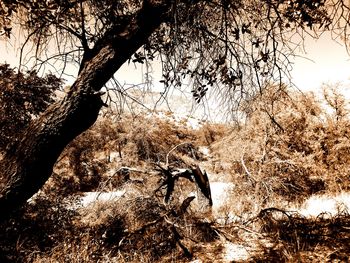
{"x":23,"y":96}
{"x":290,"y":144}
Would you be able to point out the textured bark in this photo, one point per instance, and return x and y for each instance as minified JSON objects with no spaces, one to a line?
{"x":28,"y":163}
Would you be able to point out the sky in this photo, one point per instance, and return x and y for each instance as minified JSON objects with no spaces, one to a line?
{"x":325,"y":61}
{"x":322,"y":61}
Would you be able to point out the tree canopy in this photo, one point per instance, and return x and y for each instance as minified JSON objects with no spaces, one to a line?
{"x":236,"y":46}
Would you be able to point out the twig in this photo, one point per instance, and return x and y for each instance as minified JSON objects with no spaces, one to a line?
{"x":173,"y":149}
{"x":250,"y":177}
{"x":185,"y":204}
{"x":178,"y":239}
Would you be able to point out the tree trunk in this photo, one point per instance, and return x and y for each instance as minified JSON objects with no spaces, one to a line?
{"x":29,"y":161}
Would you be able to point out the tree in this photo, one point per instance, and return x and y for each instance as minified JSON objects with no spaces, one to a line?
{"x":232,"y":47}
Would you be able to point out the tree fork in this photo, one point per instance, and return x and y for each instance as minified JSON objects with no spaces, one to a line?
{"x":29,"y":161}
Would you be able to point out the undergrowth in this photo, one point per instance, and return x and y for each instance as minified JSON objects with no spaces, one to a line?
{"x":289,"y":147}
{"x":325,"y":238}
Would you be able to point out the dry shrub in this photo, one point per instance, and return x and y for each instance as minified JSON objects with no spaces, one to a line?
{"x":211,"y":132}
{"x":135,"y":228}
{"x":79,"y":170}
{"x":298,"y":239}
{"x":135,"y":140}
{"x":139,"y":227}
{"x":289,"y":145}
{"x":161,"y":234}
{"x":36,"y":229}
{"x":150,"y":139}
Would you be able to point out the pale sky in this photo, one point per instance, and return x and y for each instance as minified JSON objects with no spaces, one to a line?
{"x":326,"y":61}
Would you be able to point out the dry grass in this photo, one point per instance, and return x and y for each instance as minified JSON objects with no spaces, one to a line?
{"x":299,"y":239}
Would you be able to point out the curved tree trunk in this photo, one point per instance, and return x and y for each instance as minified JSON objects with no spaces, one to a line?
{"x":28,"y":163}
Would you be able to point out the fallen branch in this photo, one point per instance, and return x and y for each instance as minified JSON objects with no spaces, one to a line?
{"x":202,"y":181}
{"x":178,"y":239}
{"x":185,"y":204}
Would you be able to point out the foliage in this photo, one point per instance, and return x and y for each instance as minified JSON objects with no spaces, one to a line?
{"x":290,"y":148}
{"x":212,"y":132}
{"x":228,"y":48}
{"x":153,"y":139}
{"x":23,"y":96}
{"x":139,"y":227}
{"x":112,"y":144}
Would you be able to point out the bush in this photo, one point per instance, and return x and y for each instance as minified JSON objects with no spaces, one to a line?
{"x":23,"y":96}
{"x":290,"y":144}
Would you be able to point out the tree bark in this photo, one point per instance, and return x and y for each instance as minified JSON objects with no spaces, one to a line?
{"x":28,"y":163}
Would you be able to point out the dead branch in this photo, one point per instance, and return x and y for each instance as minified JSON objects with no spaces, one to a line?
{"x":202,"y":181}
{"x":249,"y":175}
{"x":185,"y":204}
{"x":178,"y":239}
{"x":170,"y":176}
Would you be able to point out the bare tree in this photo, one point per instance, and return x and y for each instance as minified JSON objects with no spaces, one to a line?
{"x":231,"y":47}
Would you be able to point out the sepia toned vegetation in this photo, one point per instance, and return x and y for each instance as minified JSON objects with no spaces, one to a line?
{"x":283,"y":148}
{"x":288,"y":147}
{"x":228,"y":50}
